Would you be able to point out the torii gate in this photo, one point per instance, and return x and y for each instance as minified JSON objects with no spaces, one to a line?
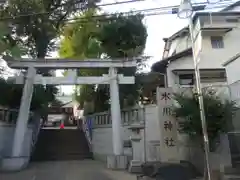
{"x":113,"y":78}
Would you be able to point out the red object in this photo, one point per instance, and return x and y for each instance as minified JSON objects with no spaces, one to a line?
{"x":62,"y":126}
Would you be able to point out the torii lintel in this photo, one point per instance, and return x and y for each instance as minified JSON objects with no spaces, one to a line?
{"x":53,"y":63}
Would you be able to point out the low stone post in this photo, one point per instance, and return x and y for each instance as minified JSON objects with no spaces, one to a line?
{"x":135,"y":164}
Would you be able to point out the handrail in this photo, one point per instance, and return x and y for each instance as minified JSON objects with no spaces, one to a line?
{"x":87,"y":132}
{"x":102,"y":119}
{"x":37,"y":125}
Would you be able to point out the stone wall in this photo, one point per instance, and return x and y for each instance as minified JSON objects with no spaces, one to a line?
{"x":102,"y":142}
{"x":6,"y":140}
{"x":149,"y":146}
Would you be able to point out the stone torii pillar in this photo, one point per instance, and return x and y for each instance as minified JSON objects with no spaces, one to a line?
{"x":23,"y":115}
{"x":20,"y":157}
{"x":115,"y":113}
{"x":117,"y":160}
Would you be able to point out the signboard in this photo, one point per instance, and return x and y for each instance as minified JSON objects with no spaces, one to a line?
{"x":168,"y":126}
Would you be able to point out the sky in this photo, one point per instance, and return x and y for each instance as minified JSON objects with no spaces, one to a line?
{"x":158,"y":27}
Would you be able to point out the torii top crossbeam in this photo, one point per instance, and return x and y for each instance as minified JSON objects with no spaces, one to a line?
{"x":25,"y":63}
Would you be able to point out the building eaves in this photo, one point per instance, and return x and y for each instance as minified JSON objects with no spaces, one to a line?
{"x":177,"y":34}
{"x":231,"y":6}
{"x":161,"y":66}
{"x":231,"y":59}
{"x":67,"y":103}
{"x":221,"y":13}
{"x":196,"y":15}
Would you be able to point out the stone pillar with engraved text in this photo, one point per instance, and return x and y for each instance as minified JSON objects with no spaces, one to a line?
{"x":168,"y":126}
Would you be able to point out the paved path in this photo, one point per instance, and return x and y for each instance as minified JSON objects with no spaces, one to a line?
{"x":67,"y":170}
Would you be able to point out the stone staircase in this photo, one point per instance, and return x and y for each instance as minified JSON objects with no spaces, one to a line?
{"x":61,"y":144}
{"x":232,"y":173}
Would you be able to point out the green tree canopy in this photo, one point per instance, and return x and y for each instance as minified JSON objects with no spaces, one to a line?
{"x":8,"y":44}
{"x":79,"y":38}
{"x":80,"y":42}
{"x":12,"y":93}
{"x":40,"y":21}
{"x":35,"y":25}
{"x":116,"y":36}
{"x":123,"y":36}
{"x":218,"y":113}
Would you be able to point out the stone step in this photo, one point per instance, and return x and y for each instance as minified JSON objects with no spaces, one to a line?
{"x":232,"y":171}
{"x":61,"y":153}
{"x":231,"y":177}
{"x":55,"y":144}
{"x":66,"y":157}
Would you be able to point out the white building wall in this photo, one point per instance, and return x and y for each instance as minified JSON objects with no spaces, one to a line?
{"x":180,"y":64}
{"x":235,"y":9}
{"x":56,"y":117}
{"x":214,"y":58}
{"x":180,"y":44}
{"x":183,"y":44}
{"x":210,"y":58}
{"x":172,"y":47}
{"x":233,"y":71}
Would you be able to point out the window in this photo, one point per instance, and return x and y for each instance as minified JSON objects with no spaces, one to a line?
{"x":232,"y":20}
{"x":186,"y":79}
{"x":217,"y":42}
{"x":213,"y":77}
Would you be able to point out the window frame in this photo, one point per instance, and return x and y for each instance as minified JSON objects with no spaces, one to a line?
{"x":181,"y":77}
{"x":217,"y":42}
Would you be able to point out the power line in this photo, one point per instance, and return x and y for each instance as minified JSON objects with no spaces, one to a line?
{"x":174,"y":7}
{"x":166,"y":10}
{"x":47,"y":13}
{"x":119,"y":3}
{"x":170,"y":10}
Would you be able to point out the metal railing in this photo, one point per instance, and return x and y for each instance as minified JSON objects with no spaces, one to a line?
{"x":36,"y":127}
{"x":87,"y":129}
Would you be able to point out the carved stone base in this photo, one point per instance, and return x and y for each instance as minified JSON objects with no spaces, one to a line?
{"x":14,"y":163}
{"x":117,"y":162}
